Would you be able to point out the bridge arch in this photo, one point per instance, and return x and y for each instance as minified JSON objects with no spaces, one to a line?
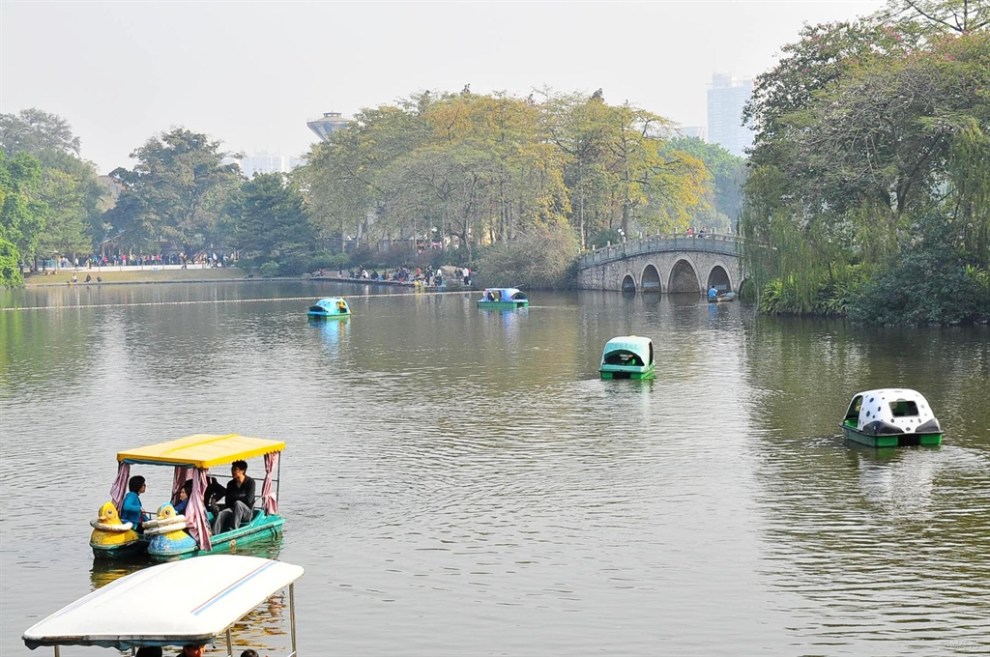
{"x":719,"y":278}
{"x":683,"y":278}
{"x":628,"y":283}
{"x":650,"y":280}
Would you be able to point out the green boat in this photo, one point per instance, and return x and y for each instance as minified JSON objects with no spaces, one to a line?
{"x":502,"y":297}
{"x":891,"y":417}
{"x":628,"y":357}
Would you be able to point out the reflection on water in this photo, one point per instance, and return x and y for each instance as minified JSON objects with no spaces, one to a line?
{"x":331,"y":330}
{"x":105,"y":571}
{"x":460,"y":481}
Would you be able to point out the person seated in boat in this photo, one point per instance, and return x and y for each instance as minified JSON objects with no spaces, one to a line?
{"x":712,"y":293}
{"x":192,"y":650}
{"x":239,"y":500}
{"x":183,"y":502}
{"x":211,"y":498}
{"x":341,"y":306}
{"x":130,"y":508}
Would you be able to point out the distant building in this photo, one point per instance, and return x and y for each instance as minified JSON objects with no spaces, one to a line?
{"x":696,"y":131}
{"x":726,"y":99}
{"x":267,"y":163}
{"x":327,"y":124}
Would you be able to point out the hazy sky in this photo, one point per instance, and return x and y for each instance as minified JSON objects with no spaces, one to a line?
{"x":250,"y":74}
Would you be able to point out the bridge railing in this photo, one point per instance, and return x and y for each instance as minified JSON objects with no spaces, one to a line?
{"x":710,"y":243}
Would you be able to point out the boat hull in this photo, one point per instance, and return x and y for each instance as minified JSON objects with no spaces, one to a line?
{"x":120,"y":550}
{"x":892,"y":440}
{"x":325,"y":315}
{"x":264,"y":527}
{"x":620,"y":372}
{"x":503,"y":305}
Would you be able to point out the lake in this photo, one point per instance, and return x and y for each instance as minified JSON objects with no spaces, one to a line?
{"x":460,"y":482}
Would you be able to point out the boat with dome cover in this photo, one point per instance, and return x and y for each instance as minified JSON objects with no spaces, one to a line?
{"x":891,"y":417}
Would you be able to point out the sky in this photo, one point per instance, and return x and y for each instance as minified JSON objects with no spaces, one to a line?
{"x":251,"y":74}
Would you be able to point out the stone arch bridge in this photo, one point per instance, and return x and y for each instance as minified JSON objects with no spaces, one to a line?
{"x":667,"y":265}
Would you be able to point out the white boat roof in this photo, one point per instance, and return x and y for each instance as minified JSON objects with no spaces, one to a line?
{"x":628,"y":342}
{"x":171,"y":604}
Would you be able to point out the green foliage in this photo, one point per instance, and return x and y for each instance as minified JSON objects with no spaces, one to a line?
{"x":271,"y":224}
{"x":724,"y":193}
{"x":477,"y":170}
{"x":22,"y":213}
{"x":328,"y":261}
{"x":872,"y":143}
{"x":66,"y":195}
{"x":923,"y":289}
{"x":176,"y":193}
{"x":269,"y":269}
{"x":10,"y":266}
{"x":33,"y":131}
{"x":539,"y":259}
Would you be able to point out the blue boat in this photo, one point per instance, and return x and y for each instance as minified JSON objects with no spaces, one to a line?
{"x":330,"y":308}
{"x":502,"y":297}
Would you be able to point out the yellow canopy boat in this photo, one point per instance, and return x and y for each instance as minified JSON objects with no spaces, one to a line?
{"x":189,"y":534}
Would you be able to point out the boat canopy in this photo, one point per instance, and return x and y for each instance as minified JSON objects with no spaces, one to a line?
{"x":634,"y":344}
{"x":898,"y":407}
{"x":172,"y":604}
{"x":201,"y":450}
{"x":331,"y":304}
{"x":503,"y":294}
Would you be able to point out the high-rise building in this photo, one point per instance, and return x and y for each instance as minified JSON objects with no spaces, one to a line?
{"x":327,"y":124}
{"x":267,"y":163}
{"x":726,"y":100}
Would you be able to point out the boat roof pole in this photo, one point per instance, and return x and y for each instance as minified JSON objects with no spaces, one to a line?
{"x":292,"y":617}
{"x":230,"y":645}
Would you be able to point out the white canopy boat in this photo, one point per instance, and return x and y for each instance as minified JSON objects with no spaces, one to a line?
{"x":195,"y":601}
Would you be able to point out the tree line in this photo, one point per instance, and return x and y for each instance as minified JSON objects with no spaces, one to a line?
{"x":466,"y":171}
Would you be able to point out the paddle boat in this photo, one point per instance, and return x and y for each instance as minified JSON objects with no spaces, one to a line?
{"x":502,"y":297}
{"x":171,"y":535}
{"x":171,"y":604}
{"x":329,"y":308}
{"x":627,"y":357}
{"x":891,"y":417}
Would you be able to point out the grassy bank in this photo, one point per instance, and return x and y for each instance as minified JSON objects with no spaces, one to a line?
{"x":64,"y":277}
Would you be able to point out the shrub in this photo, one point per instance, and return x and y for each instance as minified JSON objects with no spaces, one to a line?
{"x":269,"y":269}
{"x":925,"y":287}
{"x":542,"y":259}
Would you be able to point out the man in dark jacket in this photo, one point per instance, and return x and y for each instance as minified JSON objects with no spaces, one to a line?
{"x":239,"y":500}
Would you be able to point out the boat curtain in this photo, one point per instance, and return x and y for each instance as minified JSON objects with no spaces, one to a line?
{"x":119,"y":488}
{"x":196,"y":523}
{"x":182,"y":474}
{"x":268,"y":500}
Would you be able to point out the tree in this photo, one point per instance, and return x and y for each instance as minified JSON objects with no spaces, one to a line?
{"x":175,"y":194}
{"x":724,"y":192}
{"x":67,"y":187}
{"x":271,"y":224}
{"x":22,"y":213}
{"x":33,"y":131}
{"x":892,"y":134}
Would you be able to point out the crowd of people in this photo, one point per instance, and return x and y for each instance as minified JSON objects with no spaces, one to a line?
{"x":428,"y":276}
{"x":122,"y":259}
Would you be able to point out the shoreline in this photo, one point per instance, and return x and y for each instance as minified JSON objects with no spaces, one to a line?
{"x":127,"y":276}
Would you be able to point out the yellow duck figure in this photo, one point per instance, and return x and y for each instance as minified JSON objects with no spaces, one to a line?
{"x":168,"y":535}
{"x":108,"y":531}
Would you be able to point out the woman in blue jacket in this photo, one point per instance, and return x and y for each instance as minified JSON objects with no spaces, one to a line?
{"x":130,"y":509}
